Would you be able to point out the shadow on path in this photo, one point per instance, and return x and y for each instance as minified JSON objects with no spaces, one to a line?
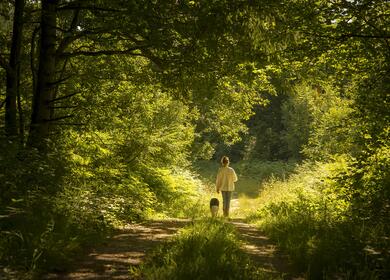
{"x":128,"y":246}
{"x":263,"y":252}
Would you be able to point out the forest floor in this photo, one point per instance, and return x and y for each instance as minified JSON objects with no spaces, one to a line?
{"x":130,"y":244}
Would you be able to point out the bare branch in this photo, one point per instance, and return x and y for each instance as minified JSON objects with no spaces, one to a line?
{"x":63,"y":97}
{"x":64,"y":107}
{"x":60,"y":81}
{"x":364,"y":36}
{"x":90,"y":8}
{"x":129,"y":51}
{"x":63,"y":123}
{"x":75,"y":20}
{"x":60,"y":118}
{"x":349,"y":35}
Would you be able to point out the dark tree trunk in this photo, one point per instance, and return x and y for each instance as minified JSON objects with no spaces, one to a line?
{"x":13,"y":71}
{"x":45,"y":84}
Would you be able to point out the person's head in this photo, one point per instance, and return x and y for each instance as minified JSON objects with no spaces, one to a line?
{"x":225,"y":161}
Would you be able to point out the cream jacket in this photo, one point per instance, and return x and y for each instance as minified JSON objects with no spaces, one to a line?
{"x":225,"y":179}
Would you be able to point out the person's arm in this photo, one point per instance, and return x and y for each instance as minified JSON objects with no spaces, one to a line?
{"x":234,"y":176}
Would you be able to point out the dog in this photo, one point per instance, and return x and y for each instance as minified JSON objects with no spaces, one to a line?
{"x":214,"y":207}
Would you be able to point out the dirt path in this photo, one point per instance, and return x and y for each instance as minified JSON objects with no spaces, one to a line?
{"x":263,"y":252}
{"x":128,"y":246}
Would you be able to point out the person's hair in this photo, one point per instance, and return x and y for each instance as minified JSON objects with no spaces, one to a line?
{"x":225,"y":161}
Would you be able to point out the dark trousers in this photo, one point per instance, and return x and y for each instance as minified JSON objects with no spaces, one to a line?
{"x":226,"y":197}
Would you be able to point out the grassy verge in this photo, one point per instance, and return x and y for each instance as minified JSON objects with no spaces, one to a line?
{"x":208,"y":249}
{"x":311,"y":217}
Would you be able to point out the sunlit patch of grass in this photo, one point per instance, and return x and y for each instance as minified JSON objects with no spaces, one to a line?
{"x":246,"y":206}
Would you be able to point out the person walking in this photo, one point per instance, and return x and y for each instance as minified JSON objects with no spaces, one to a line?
{"x":226,"y":178}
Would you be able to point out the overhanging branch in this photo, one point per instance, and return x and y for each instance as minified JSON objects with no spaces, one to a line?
{"x":60,"y":118}
{"x":130,"y":51}
{"x":90,"y":8}
{"x":60,"y":81}
{"x":364,"y":36}
{"x":63,"y":97}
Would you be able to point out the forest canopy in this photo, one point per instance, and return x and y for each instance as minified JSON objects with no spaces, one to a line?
{"x":105,"y":106}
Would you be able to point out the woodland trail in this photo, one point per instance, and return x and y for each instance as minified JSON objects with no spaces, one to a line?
{"x":263,"y":251}
{"x":129,"y":246}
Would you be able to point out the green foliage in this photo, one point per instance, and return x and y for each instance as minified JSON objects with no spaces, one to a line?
{"x":325,"y":119}
{"x":208,"y":249}
{"x":311,"y":216}
{"x":153,"y":82}
{"x":34,"y":228}
{"x":74,"y":197}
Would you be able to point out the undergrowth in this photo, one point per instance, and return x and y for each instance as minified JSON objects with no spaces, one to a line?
{"x":207,"y":249}
{"x":53,"y":207}
{"x":314,"y":217}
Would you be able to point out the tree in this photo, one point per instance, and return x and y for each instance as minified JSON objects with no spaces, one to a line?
{"x":176,"y":37}
{"x":13,"y":71}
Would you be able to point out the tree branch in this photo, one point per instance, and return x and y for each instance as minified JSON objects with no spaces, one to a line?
{"x":364,"y":36}
{"x":90,"y":8}
{"x":59,"y":81}
{"x":129,"y":51}
{"x":63,"y":97}
{"x":348,"y":35}
{"x":65,"y":107}
{"x":70,"y":123}
{"x":60,"y":118}
{"x":69,"y":39}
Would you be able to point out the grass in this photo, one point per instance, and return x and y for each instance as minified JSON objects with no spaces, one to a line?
{"x":307,"y":212}
{"x":207,"y":249}
{"x":309,"y":218}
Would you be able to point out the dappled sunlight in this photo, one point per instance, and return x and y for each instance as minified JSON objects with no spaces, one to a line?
{"x":128,"y":246}
{"x":263,"y":251}
{"x":115,"y":118}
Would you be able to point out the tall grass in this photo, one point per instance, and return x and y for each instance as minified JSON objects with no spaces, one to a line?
{"x":309,"y":216}
{"x":208,"y":249}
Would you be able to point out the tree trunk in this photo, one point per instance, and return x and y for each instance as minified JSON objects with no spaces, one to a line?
{"x":45,"y":86}
{"x":13,"y":71}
